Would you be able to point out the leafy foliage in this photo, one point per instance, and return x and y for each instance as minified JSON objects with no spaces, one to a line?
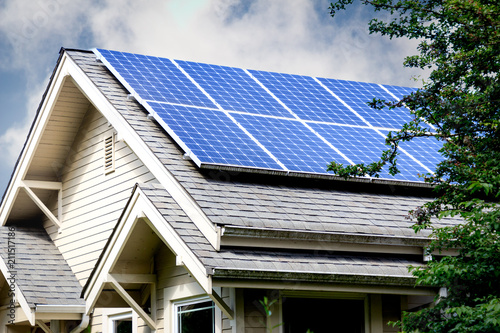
{"x":459,"y":40}
{"x":267,"y":305}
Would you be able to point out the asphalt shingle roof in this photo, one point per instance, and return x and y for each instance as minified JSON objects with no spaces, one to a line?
{"x":267,"y":263}
{"x":227,"y":200}
{"x":42,"y":274}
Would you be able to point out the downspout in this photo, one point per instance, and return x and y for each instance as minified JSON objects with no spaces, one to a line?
{"x":83,"y":325}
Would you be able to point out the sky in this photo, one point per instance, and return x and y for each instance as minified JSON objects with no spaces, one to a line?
{"x":291,"y":36}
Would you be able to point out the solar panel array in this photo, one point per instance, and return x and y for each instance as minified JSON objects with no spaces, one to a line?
{"x":257,"y":120}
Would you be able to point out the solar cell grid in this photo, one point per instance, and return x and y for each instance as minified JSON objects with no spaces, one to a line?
{"x":364,"y":145}
{"x":190,"y":116}
{"x":293,"y":144}
{"x":213,"y":137}
{"x":233,"y":89}
{"x":425,"y":150}
{"x":307,"y":98}
{"x":358,"y":94}
{"x":166,"y":84}
{"x":399,"y":92}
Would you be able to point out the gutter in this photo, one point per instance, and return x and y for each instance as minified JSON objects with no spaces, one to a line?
{"x":59,"y":308}
{"x":67,"y":309}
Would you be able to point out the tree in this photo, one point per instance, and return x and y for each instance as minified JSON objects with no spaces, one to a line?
{"x":459,"y":40}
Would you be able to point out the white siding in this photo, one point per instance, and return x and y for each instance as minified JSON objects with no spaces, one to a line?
{"x":92,"y":200}
{"x":169,"y":275}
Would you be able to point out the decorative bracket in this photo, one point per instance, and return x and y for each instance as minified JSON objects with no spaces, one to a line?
{"x":27,"y":185}
{"x":136,"y":278}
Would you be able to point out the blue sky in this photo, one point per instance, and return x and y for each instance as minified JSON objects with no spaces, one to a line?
{"x":293,"y":36}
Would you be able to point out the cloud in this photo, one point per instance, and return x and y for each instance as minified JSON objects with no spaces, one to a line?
{"x":279,"y":35}
{"x":293,"y":36}
{"x":13,"y":139}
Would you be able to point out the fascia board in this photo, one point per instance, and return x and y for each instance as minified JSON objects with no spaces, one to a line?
{"x":43,"y":308}
{"x":141,"y":207}
{"x":139,"y":147}
{"x":34,"y":137}
{"x":172,"y":239}
{"x":28,"y":312}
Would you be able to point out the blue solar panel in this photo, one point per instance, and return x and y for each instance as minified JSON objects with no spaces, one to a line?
{"x":213,"y":137}
{"x":307,"y":98}
{"x":425,"y":150}
{"x":365,"y":145}
{"x":155,"y":79}
{"x":233,"y":89}
{"x":358,"y":94}
{"x":195,"y":122}
{"x":291,"y":142}
{"x":399,"y":92}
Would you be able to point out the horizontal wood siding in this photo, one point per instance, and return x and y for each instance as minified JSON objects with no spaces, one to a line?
{"x":92,"y":200}
{"x":96,"y":321}
{"x":169,"y":275}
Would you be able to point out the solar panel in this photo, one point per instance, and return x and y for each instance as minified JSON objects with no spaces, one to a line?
{"x":212,"y":137}
{"x":307,"y":98}
{"x":365,"y":145}
{"x":154,"y":79}
{"x":399,"y":92}
{"x":358,"y":94}
{"x":256,"y":120}
{"x":425,"y":150}
{"x":233,"y":89}
{"x":298,"y":148}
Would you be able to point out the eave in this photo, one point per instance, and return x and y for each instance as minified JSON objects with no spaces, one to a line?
{"x":349,"y":242}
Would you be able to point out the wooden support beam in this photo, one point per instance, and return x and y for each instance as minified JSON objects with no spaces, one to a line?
{"x":56,"y":186}
{"x":222,"y":305}
{"x":41,"y":205}
{"x":44,"y":327}
{"x":131,"y":302}
{"x":135,"y":278}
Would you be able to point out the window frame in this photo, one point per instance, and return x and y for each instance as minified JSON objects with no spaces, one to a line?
{"x":179,"y":303}
{"x":113,"y":314}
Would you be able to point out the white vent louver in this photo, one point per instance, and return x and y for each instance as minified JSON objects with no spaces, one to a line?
{"x":109,"y":154}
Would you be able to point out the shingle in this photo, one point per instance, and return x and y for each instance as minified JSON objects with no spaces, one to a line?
{"x":41,"y":269}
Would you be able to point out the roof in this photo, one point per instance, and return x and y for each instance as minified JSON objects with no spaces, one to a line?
{"x":244,"y":202}
{"x":259,"y":201}
{"x":42,"y":274}
{"x":279,"y":264}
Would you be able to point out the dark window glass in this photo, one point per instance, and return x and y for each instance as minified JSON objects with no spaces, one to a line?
{"x":123,"y":326}
{"x":323,"y":315}
{"x":196,"y":318}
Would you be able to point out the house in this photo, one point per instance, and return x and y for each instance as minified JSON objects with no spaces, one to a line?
{"x":155,"y":195}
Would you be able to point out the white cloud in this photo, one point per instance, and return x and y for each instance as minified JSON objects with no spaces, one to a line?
{"x":279,"y":35}
{"x":13,"y":139}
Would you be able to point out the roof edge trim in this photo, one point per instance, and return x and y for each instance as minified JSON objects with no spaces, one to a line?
{"x":370,"y":279}
{"x":140,"y":207}
{"x":373,"y":180}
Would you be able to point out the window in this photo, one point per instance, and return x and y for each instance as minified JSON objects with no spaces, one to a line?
{"x":195,"y":316}
{"x":323,"y":315}
{"x":121,"y":323}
